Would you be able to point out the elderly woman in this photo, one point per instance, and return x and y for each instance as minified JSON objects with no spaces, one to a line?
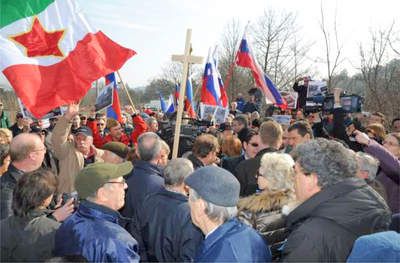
{"x":28,"y":235}
{"x":263,"y":210}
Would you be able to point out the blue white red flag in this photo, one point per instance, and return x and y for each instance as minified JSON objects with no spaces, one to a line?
{"x":114,"y":111}
{"x":162,"y":104}
{"x":212,"y":89}
{"x":167,"y":107}
{"x":189,"y":99}
{"x":245,"y":58}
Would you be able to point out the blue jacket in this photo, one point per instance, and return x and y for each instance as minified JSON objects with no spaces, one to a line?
{"x":94,"y":233}
{"x":144,"y":180}
{"x":378,"y":247}
{"x":233,"y":242}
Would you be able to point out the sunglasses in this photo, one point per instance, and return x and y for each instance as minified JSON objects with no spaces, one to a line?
{"x":254,"y":144}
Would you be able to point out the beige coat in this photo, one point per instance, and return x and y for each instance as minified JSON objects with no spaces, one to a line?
{"x":71,"y":161}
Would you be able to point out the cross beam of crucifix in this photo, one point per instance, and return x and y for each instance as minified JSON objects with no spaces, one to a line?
{"x":186,"y":59}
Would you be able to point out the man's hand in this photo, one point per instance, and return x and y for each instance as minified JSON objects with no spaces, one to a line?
{"x":72,"y":111}
{"x":130,"y":110}
{"x":336,"y":95}
{"x":63,"y":212}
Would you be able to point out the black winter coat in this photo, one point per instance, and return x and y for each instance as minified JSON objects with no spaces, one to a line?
{"x":262,"y":211}
{"x":325,"y":226}
{"x":167,"y":230}
{"x":230,"y":163}
{"x":246,"y":173}
{"x":7,"y":184}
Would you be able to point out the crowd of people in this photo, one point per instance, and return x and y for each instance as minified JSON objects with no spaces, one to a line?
{"x":90,"y":188}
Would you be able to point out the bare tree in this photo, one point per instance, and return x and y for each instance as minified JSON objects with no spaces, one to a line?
{"x":380,"y":74}
{"x":333,"y":48}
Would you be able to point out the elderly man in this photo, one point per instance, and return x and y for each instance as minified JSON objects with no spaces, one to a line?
{"x":336,"y":207}
{"x":93,"y":231}
{"x":205,"y":150}
{"x":145,"y":179}
{"x":213,"y":196}
{"x":72,"y":155}
{"x":367,"y":170}
{"x":115,"y":134}
{"x":27,"y":153}
{"x":246,"y":171}
{"x":168,"y":233}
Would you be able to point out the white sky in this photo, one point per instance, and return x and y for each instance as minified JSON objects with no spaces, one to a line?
{"x":156,"y":29}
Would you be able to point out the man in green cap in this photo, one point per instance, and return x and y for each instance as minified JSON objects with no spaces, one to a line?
{"x":93,"y":231}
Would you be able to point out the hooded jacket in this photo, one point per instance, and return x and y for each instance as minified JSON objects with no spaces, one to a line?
{"x":262,"y":211}
{"x":324,"y":227}
{"x":94,"y":233}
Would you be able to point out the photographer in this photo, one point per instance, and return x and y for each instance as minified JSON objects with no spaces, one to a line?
{"x":343,"y":128}
{"x":301,"y":89}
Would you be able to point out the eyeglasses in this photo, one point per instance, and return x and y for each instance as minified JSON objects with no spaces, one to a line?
{"x":122,"y":182}
{"x":40,"y":150}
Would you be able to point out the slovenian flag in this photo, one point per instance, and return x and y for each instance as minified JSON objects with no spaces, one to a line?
{"x":245,"y":58}
{"x":189,"y":99}
{"x":51,"y":55}
{"x":168,"y":107}
{"x":114,"y":111}
{"x":212,"y":89}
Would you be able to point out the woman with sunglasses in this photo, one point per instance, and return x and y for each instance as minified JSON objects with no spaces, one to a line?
{"x":263,"y":210}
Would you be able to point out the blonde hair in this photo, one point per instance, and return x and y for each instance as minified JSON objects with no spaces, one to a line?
{"x":277,"y":168}
{"x":6,"y":135}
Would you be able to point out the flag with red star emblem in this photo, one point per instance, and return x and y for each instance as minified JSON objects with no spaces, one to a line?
{"x":51,"y":55}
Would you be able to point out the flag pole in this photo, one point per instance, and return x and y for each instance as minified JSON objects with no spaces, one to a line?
{"x":126,"y":90}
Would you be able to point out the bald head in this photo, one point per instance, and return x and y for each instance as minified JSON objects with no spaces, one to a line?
{"x":23,"y":144}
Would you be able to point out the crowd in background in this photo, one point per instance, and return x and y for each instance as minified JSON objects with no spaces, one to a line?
{"x":324,"y":187}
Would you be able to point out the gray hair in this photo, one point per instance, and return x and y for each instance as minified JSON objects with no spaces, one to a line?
{"x":277,"y":168}
{"x":177,"y":170}
{"x":329,"y":160}
{"x":149,"y":146}
{"x":367,"y":163}
{"x":165,"y":147}
{"x":214,"y":212}
{"x":151,"y":120}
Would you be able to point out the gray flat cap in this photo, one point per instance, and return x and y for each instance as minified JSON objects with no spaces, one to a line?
{"x":215,"y":185}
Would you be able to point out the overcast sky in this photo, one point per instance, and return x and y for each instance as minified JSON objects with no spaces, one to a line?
{"x":156,"y":29}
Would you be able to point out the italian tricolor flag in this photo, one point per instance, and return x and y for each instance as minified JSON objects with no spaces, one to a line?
{"x":50,"y":54}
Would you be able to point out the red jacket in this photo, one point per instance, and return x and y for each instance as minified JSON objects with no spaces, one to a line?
{"x":140,"y":127}
{"x":99,"y":141}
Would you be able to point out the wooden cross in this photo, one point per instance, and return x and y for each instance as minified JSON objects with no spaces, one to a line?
{"x":186,"y":58}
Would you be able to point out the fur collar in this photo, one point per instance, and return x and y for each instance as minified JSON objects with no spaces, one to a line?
{"x":265,"y":201}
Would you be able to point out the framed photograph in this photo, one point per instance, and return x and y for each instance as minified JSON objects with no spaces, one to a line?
{"x":27,"y":114}
{"x":105,"y":97}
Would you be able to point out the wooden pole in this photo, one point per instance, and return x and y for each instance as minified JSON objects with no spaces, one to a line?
{"x":182,"y":93}
{"x":126,"y":90}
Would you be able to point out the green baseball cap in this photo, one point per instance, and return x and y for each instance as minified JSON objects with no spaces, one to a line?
{"x":94,"y":176}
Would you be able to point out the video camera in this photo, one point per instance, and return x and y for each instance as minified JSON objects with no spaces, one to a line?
{"x":350,"y":103}
{"x":188,"y":135}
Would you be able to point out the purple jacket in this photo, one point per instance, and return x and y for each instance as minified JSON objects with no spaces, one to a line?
{"x":389,"y":174}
